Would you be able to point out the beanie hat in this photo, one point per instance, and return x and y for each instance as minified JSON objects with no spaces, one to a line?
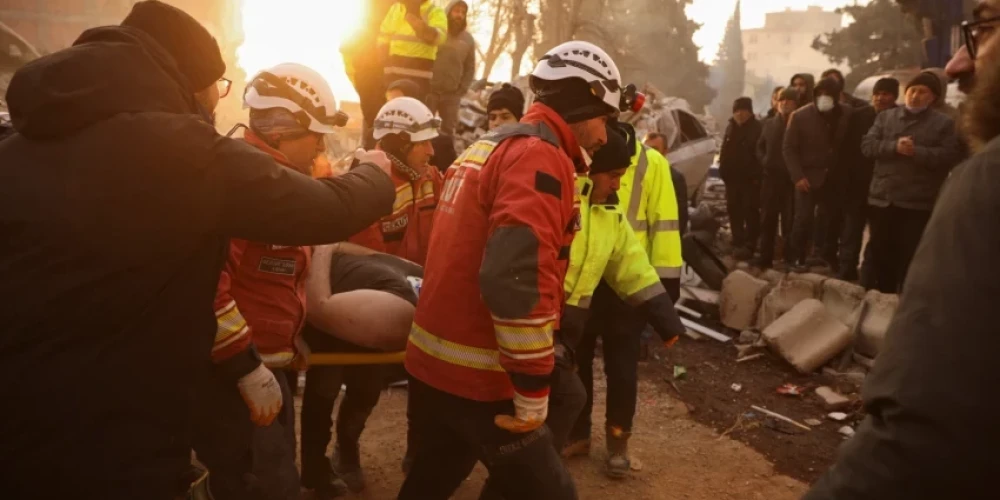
{"x":570,"y":98}
{"x":193,"y":48}
{"x":928,"y":80}
{"x":890,"y":85}
{"x":744,"y":103}
{"x":507,"y":97}
{"x":408,"y":87}
{"x":789,"y":94}
{"x":613,"y":155}
{"x":829,"y":87}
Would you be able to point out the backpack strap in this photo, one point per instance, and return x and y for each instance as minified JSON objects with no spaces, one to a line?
{"x":540,"y":130}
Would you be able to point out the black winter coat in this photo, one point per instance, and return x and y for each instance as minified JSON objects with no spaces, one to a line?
{"x":814,"y":144}
{"x":931,"y":430}
{"x":770,"y":149}
{"x":738,"y":158}
{"x":116,"y":204}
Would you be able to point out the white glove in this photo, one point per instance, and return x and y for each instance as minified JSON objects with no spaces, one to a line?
{"x":529,"y":414}
{"x":262,"y":394}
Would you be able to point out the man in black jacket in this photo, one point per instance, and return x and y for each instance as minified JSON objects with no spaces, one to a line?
{"x":776,"y":187}
{"x":117,"y":200}
{"x":813,"y":150}
{"x":740,"y":170}
{"x":845,"y":97}
{"x":914,"y":147}
{"x":931,"y":433}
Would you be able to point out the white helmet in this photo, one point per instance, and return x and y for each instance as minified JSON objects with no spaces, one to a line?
{"x":584,"y":60}
{"x":406,"y":114}
{"x":300,"y":90}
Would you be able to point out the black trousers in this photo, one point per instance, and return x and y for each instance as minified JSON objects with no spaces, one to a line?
{"x":895,"y":235}
{"x":370,"y":85}
{"x":453,"y":433}
{"x":776,"y":202}
{"x":815,"y":214}
{"x":852,"y":235}
{"x":620,"y":328}
{"x":245,"y":461}
{"x":743,"y":205}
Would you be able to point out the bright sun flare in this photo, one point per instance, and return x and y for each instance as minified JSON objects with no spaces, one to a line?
{"x":308,"y":32}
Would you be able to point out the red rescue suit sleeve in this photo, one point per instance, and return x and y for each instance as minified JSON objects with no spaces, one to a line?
{"x":528,"y":193}
{"x":233,"y":351}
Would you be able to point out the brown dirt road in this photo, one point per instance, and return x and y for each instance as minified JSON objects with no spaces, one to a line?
{"x":680,"y":459}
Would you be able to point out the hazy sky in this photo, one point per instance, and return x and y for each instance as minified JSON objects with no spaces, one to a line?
{"x":714,"y":14}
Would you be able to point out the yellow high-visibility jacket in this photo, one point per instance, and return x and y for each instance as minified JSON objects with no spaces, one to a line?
{"x":409,"y":55}
{"x":647,"y":198}
{"x":606,"y":248}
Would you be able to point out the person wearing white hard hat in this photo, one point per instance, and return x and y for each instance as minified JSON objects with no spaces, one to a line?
{"x":481,"y":353}
{"x":245,"y":426}
{"x":404,"y":129}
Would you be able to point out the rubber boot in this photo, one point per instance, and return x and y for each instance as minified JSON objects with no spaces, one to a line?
{"x":618,"y":464}
{"x":576,"y":448}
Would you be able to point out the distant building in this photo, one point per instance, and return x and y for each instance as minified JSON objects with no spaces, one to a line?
{"x":783,"y":47}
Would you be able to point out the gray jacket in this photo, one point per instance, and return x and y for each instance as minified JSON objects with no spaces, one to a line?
{"x":910,"y":182}
{"x":455,"y":66}
{"x":811,"y":149}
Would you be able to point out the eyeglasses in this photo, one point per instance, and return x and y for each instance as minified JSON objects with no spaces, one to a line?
{"x":225,"y":85}
{"x":974,"y":32}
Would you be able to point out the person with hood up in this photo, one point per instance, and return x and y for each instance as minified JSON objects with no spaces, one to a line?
{"x":813,"y":150}
{"x":776,"y":186}
{"x":741,"y":171}
{"x":929,"y":433}
{"x":803,"y":83}
{"x":118,"y":201}
{"x":454,"y":68}
{"x":845,"y":97}
{"x":914,"y":148}
{"x":505,"y":105}
{"x":480,"y":354}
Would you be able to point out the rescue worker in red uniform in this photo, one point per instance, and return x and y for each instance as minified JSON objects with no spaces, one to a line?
{"x":480,"y":354}
{"x":261,"y":307}
{"x":404,"y":129}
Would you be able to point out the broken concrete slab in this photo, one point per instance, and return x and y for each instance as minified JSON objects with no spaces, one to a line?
{"x":815,"y":279}
{"x":740,"y":299}
{"x":783,"y":298}
{"x":749,"y":337}
{"x":881,"y":308}
{"x":807,"y":336}
{"x":842,"y":299}
{"x":772,"y":276}
{"x":832,"y":400}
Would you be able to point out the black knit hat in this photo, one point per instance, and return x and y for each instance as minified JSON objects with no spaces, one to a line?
{"x":613,"y":155}
{"x":191,"y":45}
{"x":744,"y":103}
{"x":828,"y":87}
{"x":507,"y":97}
{"x":928,"y":80}
{"x":890,"y":85}
{"x":789,"y":94}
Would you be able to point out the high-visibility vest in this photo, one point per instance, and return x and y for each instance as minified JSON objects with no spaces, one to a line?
{"x":410,"y":55}
{"x":647,"y":198}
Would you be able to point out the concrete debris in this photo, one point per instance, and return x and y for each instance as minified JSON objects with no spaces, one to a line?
{"x":772,"y":276}
{"x":832,"y":400}
{"x":863,"y":360}
{"x":846,"y":430}
{"x":838,"y":416}
{"x":881,"y":308}
{"x":807,"y":336}
{"x":783,"y":298}
{"x":679,"y":371}
{"x":750,"y":357}
{"x":816,"y":280}
{"x":813,"y":422}
{"x":749,"y":337}
{"x":740,"y":299}
{"x":736,"y":387}
{"x":855,"y":376}
{"x":743,"y":350}
{"x":842,"y":299}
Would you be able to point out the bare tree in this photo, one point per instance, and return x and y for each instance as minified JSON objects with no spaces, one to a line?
{"x":523,"y":25}
{"x":502,"y":12}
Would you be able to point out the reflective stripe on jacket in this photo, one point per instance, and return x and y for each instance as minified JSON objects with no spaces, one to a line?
{"x":647,"y":197}
{"x":493,"y":282}
{"x":409,"y":55}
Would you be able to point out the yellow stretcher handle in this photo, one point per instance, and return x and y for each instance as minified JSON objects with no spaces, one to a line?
{"x":356,"y":358}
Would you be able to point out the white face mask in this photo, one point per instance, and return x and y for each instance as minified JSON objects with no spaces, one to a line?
{"x":824,"y":103}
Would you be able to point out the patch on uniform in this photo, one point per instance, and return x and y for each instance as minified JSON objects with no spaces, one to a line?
{"x":545,"y":183}
{"x":575,"y":222}
{"x":275,"y":265}
{"x":564,"y":252}
{"x":397,"y":224}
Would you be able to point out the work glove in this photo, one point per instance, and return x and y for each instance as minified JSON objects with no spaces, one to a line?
{"x":262,"y":394}
{"x":529,"y":414}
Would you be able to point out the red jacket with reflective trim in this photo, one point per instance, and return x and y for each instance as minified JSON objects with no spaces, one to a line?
{"x":261,"y":297}
{"x":459,"y":344}
{"x":406,"y":232}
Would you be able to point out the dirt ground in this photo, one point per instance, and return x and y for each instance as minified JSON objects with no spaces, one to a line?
{"x":681,"y":454}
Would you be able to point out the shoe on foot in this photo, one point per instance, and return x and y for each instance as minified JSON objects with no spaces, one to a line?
{"x":618,"y":464}
{"x":576,"y":448}
{"x":336,"y":488}
{"x":350,"y":473}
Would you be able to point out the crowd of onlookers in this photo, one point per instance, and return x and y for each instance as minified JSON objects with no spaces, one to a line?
{"x":827,"y":164}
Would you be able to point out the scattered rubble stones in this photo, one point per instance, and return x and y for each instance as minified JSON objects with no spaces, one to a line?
{"x":832,"y":400}
{"x":771,"y":276}
{"x":783,"y":298}
{"x":807,"y":336}
{"x":740,"y":299}
{"x":881,"y":308}
{"x":749,"y":337}
{"x":816,"y":280}
{"x":842,"y":299}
